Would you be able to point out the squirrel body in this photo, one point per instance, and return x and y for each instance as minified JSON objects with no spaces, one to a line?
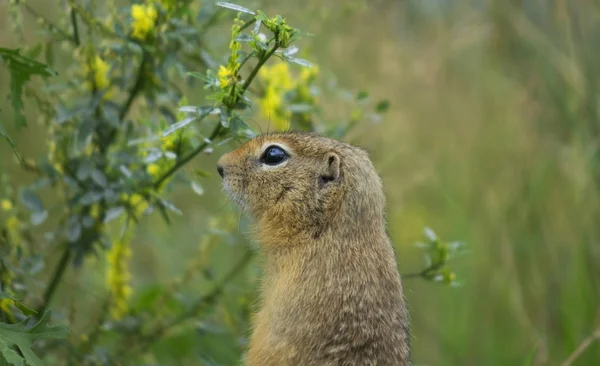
{"x":332,"y":294}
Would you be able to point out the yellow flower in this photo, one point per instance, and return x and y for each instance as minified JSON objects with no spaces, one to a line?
{"x":309,"y":73}
{"x":99,"y":70}
{"x":138,"y":202}
{"x":278,"y":75}
{"x":136,"y":199}
{"x":12,"y":223}
{"x":169,"y":142}
{"x":95,"y":211}
{"x":6,"y":205}
{"x":153,"y":170}
{"x":5,"y":307}
{"x":118,"y":277}
{"x":144,"y":17}
{"x":279,"y":81}
{"x":225,"y":75}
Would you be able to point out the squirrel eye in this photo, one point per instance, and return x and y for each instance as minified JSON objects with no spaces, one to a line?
{"x":273,"y":155}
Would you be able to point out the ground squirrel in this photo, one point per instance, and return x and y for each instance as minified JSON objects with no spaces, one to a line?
{"x":332,"y":293}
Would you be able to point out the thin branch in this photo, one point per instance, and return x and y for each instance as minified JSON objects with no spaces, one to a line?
{"x":137,"y":87}
{"x":51,"y":25}
{"x":194,"y":309}
{"x":217,"y":128}
{"x":582,"y":348}
{"x":184,"y":160}
{"x":75,"y":28}
{"x":59,"y":271}
{"x":93,"y":22}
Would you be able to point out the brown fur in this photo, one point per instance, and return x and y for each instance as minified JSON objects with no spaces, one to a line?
{"x":331,"y":294}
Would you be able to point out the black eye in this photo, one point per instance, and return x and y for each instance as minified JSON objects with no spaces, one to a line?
{"x":273,"y":155}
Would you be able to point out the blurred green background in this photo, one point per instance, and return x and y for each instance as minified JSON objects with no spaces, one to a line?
{"x":492,"y":138}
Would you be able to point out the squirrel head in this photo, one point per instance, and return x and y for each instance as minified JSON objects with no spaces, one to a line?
{"x":303,"y":186}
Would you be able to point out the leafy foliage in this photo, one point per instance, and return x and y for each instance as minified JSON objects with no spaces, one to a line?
{"x":21,"y":70}
{"x":22,"y":337}
{"x":120,"y":134}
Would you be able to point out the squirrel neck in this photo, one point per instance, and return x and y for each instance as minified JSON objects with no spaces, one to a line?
{"x":345,"y":240}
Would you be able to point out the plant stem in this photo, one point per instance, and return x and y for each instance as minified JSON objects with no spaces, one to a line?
{"x":137,"y":87}
{"x":50,"y":24}
{"x":260,"y":63}
{"x":59,"y":271}
{"x":184,"y":160}
{"x":75,"y":28}
{"x":582,"y":348}
{"x":193,"y":310}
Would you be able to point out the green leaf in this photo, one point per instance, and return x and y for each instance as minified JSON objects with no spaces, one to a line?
{"x":174,"y":127}
{"x":362,"y":95}
{"x":382,"y":106}
{"x":197,"y":188}
{"x":202,"y":112}
{"x":224,"y":117}
{"x":202,"y":173}
{"x":235,"y":7}
{"x":300,"y":61}
{"x":21,"y":336}
{"x":31,"y":200}
{"x":199,"y":75}
{"x":21,"y":69}
{"x":24,"y":309}
{"x":9,"y":355}
{"x":531,"y":355}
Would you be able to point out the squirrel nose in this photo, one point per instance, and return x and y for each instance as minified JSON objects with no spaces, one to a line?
{"x":220,"y":170}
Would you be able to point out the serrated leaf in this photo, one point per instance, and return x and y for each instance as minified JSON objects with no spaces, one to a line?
{"x":235,"y":7}
{"x":10,"y":355}
{"x":21,"y":69}
{"x":31,"y":200}
{"x":21,"y":336}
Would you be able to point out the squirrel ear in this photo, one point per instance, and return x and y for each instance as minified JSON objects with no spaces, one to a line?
{"x":332,"y":169}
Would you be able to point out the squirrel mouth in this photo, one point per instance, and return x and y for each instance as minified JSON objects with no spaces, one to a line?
{"x":234,"y":196}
